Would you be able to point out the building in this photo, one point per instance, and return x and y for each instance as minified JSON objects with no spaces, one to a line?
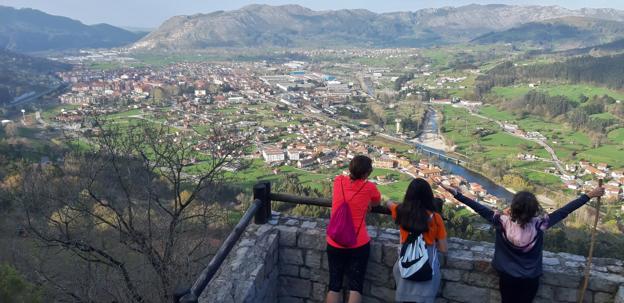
{"x":305,"y":163}
{"x":383,"y":162}
{"x":273,"y":154}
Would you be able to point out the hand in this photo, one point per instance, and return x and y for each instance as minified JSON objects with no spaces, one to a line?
{"x":596,"y":192}
{"x":454,"y":191}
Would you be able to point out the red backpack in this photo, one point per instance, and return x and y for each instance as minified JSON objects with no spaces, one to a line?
{"x":340,"y":228}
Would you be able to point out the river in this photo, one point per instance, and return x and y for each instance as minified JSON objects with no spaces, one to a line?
{"x":431,"y":127}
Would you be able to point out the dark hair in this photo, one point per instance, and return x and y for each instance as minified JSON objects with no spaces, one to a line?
{"x":412,"y":213}
{"x":360,"y":167}
{"x":524,"y":207}
{"x":438,"y":205}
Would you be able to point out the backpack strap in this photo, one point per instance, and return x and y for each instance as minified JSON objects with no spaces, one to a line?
{"x":345,"y":201}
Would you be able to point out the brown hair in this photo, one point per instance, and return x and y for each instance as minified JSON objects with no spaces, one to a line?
{"x":360,"y":167}
{"x":524,"y":207}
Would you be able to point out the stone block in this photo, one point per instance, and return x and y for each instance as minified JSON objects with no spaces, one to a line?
{"x":561,"y":279}
{"x":287,"y":236}
{"x":376,"y":252}
{"x":290,"y":300}
{"x":324,"y":262}
{"x":464,"y":293}
{"x":305,"y":273}
{"x":377,"y":273}
{"x":605,"y":282}
{"x":382,"y":293}
{"x":484,"y":266}
{"x":619,"y":296}
{"x":313,"y":258}
{"x":602,"y":297}
{"x":308,"y":225}
{"x":390,"y":254}
{"x":545,"y":292}
{"x":289,"y":270}
{"x":321,"y":276}
{"x":291,"y":256}
{"x":460,"y":259}
{"x":550,"y":261}
{"x":453,"y":275}
{"x":367,"y":299}
{"x":312,"y":239}
{"x":480,"y":280}
{"x":495,"y":296}
{"x":563,"y":294}
{"x":294,"y":287}
{"x":318,"y":291}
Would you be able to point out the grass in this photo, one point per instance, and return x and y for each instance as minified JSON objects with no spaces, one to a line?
{"x":572,"y":91}
{"x":617,"y":136}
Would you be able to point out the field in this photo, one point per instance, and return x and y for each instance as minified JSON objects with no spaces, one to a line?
{"x":459,"y":127}
{"x":569,"y":145}
{"x":259,"y":171}
{"x":572,"y":91}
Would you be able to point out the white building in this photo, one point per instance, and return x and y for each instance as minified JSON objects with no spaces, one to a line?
{"x":273,"y":154}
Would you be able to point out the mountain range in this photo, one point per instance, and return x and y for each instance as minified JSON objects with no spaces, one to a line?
{"x":566,"y":32}
{"x":297,"y":26}
{"x":29,"y":30}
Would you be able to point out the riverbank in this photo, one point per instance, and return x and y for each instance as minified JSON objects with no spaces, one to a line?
{"x":430,"y":136}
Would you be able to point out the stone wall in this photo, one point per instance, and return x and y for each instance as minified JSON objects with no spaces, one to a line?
{"x":285,"y":261}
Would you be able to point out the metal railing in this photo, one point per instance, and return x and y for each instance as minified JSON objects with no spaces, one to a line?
{"x":260,"y":210}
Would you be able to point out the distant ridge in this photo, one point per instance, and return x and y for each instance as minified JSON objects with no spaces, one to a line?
{"x":560,"y":33}
{"x":29,"y":30}
{"x":297,"y":26}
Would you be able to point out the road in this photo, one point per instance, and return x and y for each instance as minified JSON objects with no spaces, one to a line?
{"x":547,"y":147}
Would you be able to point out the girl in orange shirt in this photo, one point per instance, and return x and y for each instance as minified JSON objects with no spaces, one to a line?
{"x":417,"y":215}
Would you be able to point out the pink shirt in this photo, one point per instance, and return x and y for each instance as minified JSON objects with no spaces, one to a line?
{"x":368,"y":194}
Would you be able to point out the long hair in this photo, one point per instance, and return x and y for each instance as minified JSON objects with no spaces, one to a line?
{"x":524,"y":207}
{"x":412,"y":213}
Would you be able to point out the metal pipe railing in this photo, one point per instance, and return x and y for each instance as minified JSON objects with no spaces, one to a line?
{"x":192,"y":295}
{"x":260,"y":210}
{"x":317,"y":202}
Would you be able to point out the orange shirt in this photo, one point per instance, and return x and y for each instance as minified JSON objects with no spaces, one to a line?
{"x":367,"y":193}
{"x":436,"y":231}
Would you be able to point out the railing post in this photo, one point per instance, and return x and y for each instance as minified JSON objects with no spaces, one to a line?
{"x":262,"y":191}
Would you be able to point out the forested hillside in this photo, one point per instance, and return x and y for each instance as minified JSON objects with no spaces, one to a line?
{"x":601,"y":71}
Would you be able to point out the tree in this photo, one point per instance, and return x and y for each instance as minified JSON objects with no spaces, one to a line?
{"x":13,"y":287}
{"x":128,"y":213}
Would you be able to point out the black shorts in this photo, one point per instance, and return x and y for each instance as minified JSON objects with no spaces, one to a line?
{"x":351,"y":261}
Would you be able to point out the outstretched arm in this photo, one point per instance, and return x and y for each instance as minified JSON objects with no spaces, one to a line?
{"x":560,"y":214}
{"x":483,"y":211}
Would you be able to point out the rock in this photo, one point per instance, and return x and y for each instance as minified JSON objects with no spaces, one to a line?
{"x":561,"y":279}
{"x":550,"y":261}
{"x":290,"y":256}
{"x":376,"y":252}
{"x":308,"y":225}
{"x":287,"y":236}
{"x":390,"y":254}
{"x":312,"y":239}
{"x":563,"y":294}
{"x":464,"y":293}
{"x":601,"y":297}
{"x":318,"y":291}
{"x":619,"y":296}
{"x":313,"y":259}
{"x":451,"y":274}
{"x":545,"y":292}
{"x":294,"y":287}
{"x":481,"y":280}
{"x":289,"y":270}
{"x":382,"y":293}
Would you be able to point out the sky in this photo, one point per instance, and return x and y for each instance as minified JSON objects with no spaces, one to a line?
{"x":151,"y":13}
